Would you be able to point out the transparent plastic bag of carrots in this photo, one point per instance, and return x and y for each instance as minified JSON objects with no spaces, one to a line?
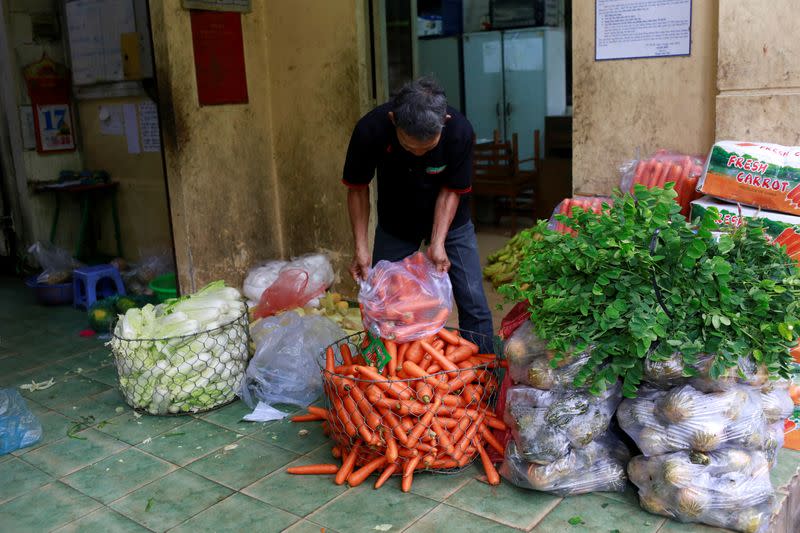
{"x":664,"y":167}
{"x":427,"y":408}
{"x":587,"y":203}
{"x":406,"y":300}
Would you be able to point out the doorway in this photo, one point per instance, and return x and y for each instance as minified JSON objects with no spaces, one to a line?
{"x":101,"y":194}
{"x":506,"y":65}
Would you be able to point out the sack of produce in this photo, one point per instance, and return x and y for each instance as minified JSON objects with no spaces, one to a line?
{"x":529,"y":361}
{"x":284,"y":368}
{"x":547,"y":424}
{"x":776,"y":401}
{"x":406,"y":300}
{"x":586,"y":203}
{"x":664,"y":167}
{"x":300,"y":282}
{"x":599,"y":466}
{"x":684,"y":418}
{"x":185,"y":355}
{"x":729,"y":488}
{"x":671,"y":372}
{"x":758,"y":174}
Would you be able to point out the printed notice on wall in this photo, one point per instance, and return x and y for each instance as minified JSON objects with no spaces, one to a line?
{"x":491,"y":57}
{"x":632,"y":29}
{"x":148,"y":125}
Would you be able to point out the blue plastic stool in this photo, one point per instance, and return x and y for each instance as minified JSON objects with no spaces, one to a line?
{"x":92,"y":282}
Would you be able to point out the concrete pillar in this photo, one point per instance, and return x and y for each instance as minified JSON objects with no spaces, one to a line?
{"x":758,"y":72}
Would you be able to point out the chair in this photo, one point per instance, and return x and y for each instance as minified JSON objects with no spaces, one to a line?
{"x":90,"y":282}
{"x":496,"y":172}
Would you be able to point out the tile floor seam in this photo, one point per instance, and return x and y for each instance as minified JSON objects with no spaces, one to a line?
{"x":52,"y":480}
{"x":84,"y":495}
{"x":202,"y":510}
{"x":550,"y":510}
{"x":143,"y":486}
{"x":409,"y":526}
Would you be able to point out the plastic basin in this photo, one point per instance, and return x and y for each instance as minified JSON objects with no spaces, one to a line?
{"x":165,"y":286}
{"x":57,"y":294}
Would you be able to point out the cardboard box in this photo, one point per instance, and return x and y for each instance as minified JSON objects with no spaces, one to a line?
{"x":734,"y":215}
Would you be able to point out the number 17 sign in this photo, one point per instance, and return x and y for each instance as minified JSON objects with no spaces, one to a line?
{"x":54,"y":130}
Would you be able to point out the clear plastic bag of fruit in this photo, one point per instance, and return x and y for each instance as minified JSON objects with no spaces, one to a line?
{"x":530,"y":362}
{"x":729,"y":488}
{"x":684,"y":418}
{"x":547,"y":424}
{"x":600,"y":466}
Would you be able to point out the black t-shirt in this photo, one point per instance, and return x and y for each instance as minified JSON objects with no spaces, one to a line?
{"x":408,"y":185}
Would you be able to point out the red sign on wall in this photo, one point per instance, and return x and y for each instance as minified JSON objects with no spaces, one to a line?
{"x":49,"y":91}
{"x":219,"y":57}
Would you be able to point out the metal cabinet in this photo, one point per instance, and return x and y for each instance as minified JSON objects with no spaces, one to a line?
{"x":512,"y":80}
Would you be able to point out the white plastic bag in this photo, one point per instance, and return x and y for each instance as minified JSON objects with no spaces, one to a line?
{"x":57,"y":263}
{"x":284,"y":368}
{"x":261,"y":277}
{"x":299,"y":283}
{"x":406,"y":300}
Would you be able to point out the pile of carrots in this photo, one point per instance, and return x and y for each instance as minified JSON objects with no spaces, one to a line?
{"x":586,"y":203}
{"x":405,"y":300}
{"x":665,"y":167}
{"x":427,"y":409}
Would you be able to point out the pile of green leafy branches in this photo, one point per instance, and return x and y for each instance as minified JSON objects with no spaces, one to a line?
{"x":638,"y":282}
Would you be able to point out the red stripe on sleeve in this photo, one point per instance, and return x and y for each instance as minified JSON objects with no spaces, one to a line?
{"x":356,"y":186}
{"x":458,"y":191}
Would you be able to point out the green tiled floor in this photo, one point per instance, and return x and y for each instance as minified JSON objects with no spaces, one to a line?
{"x":100,"y":467}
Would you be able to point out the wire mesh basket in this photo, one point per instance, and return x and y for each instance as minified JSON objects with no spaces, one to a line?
{"x":432,"y":419}
{"x":185,"y":374}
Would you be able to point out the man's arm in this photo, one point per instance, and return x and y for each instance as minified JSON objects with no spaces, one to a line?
{"x":358,"y":206}
{"x":446,"y":206}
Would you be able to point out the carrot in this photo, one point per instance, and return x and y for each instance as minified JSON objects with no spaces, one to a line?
{"x":463,"y":444}
{"x":472,"y":345}
{"x":424,"y":392}
{"x":408,"y":473}
{"x":387,"y":386}
{"x":385,"y":475}
{"x":313,"y":409}
{"x":423,"y":424}
{"x":372,"y":419}
{"x":307,"y":418}
{"x":347,"y":356}
{"x":444,"y":439}
{"x":439,"y":357}
{"x":445,"y":464}
{"x":490,"y":439}
{"x":343,"y":417}
{"x":336,"y":452}
{"x":464,"y":378}
{"x":491,"y":472}
{"x":391,"y":349}
{"x":357,"y":477}
{"x":401,"y":353}
{"x":794,"y":392}
{"x":449,"y":337}
{"x":330,"y":360}
{"x":414,"y":352}
{"x":358,"y":420}
{"x":313,"y":469}
{"x":393,"y":423}
{"x":391,"y":447}
{"x":462,"y":353}
{"x":347,"y":465}
{"x":413,"y":370}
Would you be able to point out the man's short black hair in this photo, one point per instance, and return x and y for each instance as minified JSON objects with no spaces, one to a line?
{"x":420,"y":107}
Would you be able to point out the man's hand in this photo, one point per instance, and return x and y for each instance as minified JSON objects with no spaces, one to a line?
{"x":361,"y":264}
{"x":438,"y":255}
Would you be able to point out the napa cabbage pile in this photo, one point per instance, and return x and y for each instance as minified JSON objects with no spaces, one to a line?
{"x":184,"y":355}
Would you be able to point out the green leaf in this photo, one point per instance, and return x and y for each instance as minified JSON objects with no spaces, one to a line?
{"x":575,"y":521}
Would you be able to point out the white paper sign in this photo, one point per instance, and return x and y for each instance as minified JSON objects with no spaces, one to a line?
{"x":131,"y":128}
{"x":148,"y":124}
{"x":55,"y":127}
{"x":524,"y":53}
{"x":491,"y":57}
{"x":110,"y":117}
{"x":628,"y":29}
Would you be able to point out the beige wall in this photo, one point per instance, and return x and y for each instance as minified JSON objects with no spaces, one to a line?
{"x":759,"y":78}
{"x":261,"y":180}
{"x":142,"y":196}
{"x":623,"y":106}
